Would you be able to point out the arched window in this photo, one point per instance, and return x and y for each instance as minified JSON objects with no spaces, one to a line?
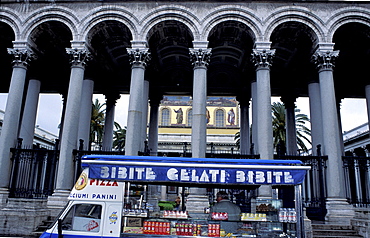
{"x":220,"y":118}
{"x":165,"y":117}
{"x":190,"y":117}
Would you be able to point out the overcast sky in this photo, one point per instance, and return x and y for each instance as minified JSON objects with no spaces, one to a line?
{"x":353,"y":111}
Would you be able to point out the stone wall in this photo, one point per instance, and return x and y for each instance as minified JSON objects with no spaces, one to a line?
{"x":361,"y":221}
{"x":20,"y":217}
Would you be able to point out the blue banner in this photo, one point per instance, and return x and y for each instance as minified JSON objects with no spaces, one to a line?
{"x":278,"y":175}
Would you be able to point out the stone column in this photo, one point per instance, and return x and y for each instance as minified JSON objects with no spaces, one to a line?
{"x":145,"y":114}
{"x":244,"y":125}
{"x":315,"y":114}
{"x":262,"y":57}
{"x":69,"y":142}
{"x":110,"y":103}
{"x":27,"y":131}
{"x":290,"y":126}
{"x":9,"y":131}
{"x":139,"y":58}
{"x":85,"y":112}
{"x":340,"y":129}
{"x":153,"y":127}
{"x":254,"y":145}
{"x":64,"y":105}
{"x":200,"y":58}
{"x":338,"y":210}
{"x":367,"y":93}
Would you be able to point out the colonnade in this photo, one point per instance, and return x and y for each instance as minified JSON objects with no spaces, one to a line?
{"x":324,"y":117}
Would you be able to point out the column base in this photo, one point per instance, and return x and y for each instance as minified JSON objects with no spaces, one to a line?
{"x":339,"y":211}
{"x":58,"y":200}
{"x":197,"y":201}
{"x":307,"y":225}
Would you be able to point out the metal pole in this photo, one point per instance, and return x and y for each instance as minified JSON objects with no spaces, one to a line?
{"x":299,"y":210}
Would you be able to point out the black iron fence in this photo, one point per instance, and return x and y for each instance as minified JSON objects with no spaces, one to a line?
{"x":33,"y":171}
{"x":314,"y":186}
{"x":77,"y":155}
{"x":357,"y":178}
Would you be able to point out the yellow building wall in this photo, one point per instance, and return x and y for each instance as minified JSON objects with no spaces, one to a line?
{"x":211,"y":110}
{"x":187,"y":131}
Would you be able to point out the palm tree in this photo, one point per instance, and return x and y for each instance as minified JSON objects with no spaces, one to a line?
{"x":119,"y":137}
{"x":97,"y":122}
{"x":303,"y":132}
{"x":279,"y":127}
{"x":97,"y":127}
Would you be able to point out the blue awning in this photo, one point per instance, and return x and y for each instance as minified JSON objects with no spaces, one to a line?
{"x":195,"y":170}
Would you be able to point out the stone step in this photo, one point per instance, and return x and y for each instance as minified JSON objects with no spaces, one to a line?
{"x":341,"y":232}
{"x":331,"y":227}
{"x":333,"y":231}
{"x":335,"y":236}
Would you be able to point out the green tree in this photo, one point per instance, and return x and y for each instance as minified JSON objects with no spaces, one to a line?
{"x":119,"y":137}
{"x":97,"y":123}
{"x":278,"y":124}
{"x":279,"y":127}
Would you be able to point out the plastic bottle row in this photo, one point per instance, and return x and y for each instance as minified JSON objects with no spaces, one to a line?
{"x":287,"y":215}
{"x":174,"y":214}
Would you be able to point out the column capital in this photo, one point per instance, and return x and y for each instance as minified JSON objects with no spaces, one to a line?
{"x":200,"y":57}
{"x":79,"y":56}
{"x":325,"y":60}
{"x":155,"y":99}
{"x":112,"y":97}
{"x":138,"y":56}
{"x":244,"y":99}
{"x":263,"y":58}
{"x":22,"y":56}
{"x":289,"y":101}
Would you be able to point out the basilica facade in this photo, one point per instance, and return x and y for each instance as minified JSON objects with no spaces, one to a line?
{"x":250,"y":50}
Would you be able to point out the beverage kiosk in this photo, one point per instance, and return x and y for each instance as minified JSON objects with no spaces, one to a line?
{"x":120,"y":196}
